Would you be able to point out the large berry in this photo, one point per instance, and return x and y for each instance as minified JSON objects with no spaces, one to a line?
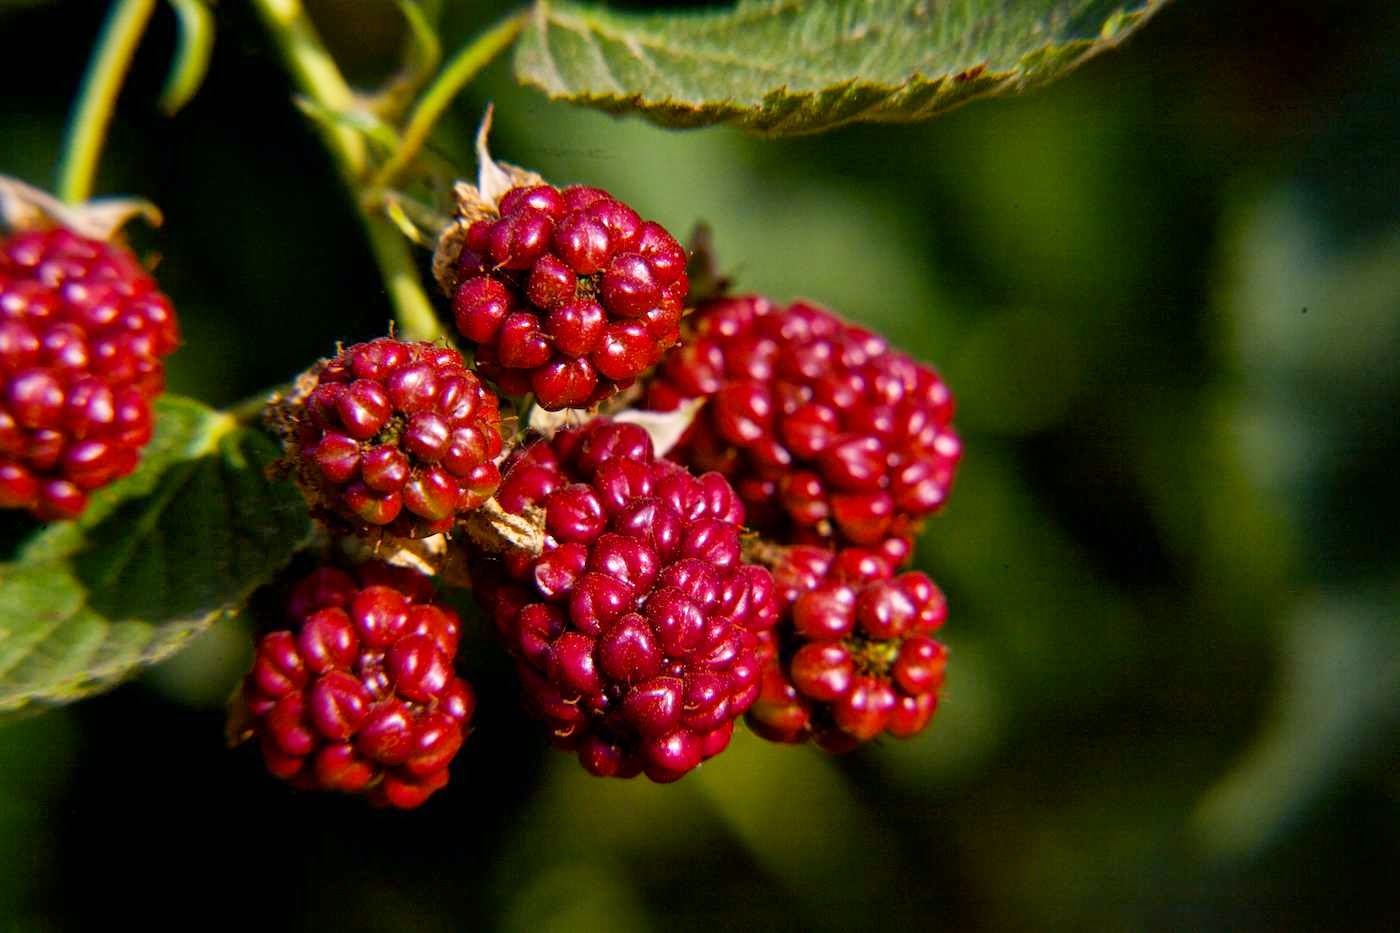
{"x":358,"y":692}
{"x":828,"y":435}
{"x":83,"y":330}
{"x":397,"y":436}
{"x":568,"y":294}
{"x":855,"y":651}
{"x":636,"y":627}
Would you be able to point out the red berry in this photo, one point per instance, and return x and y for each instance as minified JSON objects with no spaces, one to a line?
{"x":637,"y":629}
{"x":853,"y":654}
{"x":359,"y":694}
{"x":396,"y":435}
{"x":830,"y":436}
{"x":568,"y":294}
{"x":83,"y":331}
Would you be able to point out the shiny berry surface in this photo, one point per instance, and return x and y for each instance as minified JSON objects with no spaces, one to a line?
{"x":637,"y":630}
{"x":854,"y":654}
{"x":830,"y":436}
{"x":358,"y":692}
{"x":83,"y":332}
{"x":568,"y":294}
{"x":398,"y":436}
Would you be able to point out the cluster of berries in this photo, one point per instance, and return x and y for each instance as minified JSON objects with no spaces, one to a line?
{"x":83,"y":332}
{"x":568,"y":294}
{"x":831,"y":437}
{"x":389,"y":439}
{"x":636,"y":629}
{"x":397,"y":436}
{"x":857,"y":655}
{"x":839,"y":447}
{"x":646,"y":607}
{"x":359,"y":694}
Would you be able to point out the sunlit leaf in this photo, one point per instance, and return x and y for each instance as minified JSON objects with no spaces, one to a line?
{"x":783,"y":67}
{"x":157,"y":557}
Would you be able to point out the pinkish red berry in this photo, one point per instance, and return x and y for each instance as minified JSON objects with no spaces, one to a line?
{"x":568,"y":294}
{"x":637,"y":629}
{"x":83,"y":331}
{"x":358,"y":693}
{"x":396,"y":435}
{"x":831,"y":437}
{"x":853,"y":655}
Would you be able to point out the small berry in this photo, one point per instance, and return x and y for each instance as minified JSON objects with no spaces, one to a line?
{"x":396,"y":435}
{"x":568,"y":294}
{"x":830,"y":437}
{"x":637,"y":628}
{"x":83,"y":330}
{"x":853,"y":655}
{"x":358,"y":694}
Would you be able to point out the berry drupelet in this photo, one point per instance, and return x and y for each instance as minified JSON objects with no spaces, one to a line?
{"x":568,"y":294}
{"x":829,"y":436}
{"x":637,"y":625}
{"x":83,"y":330}
{"x":855,"y":650}
{"x":398,"y":436}
{"x":358,"y":693}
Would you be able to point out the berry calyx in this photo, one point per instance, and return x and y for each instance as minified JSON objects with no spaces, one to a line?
{"x":358,"y":693}
{"x":854,"y":651}
{"x":637,"y":626}
{"x":830,"y":436}
{"x":567,"y":293}
{"x":83,"y":330}
{"x":395,"y":436}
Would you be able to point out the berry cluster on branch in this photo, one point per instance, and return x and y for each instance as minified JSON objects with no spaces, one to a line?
{"x":733,"y":547}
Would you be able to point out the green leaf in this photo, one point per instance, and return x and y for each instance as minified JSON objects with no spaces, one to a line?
{"x":155,"y":559}
{"x":785,"y":67}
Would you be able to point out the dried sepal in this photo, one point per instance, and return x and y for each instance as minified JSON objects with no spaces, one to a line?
{"x":476,"y":202}
{"x":24,"y":207}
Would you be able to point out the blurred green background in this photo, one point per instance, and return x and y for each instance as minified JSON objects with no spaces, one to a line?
{"x":1166,"y":292}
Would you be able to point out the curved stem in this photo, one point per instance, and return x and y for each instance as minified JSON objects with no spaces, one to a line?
{"x":464,"y":66}
{"x":316,"y":75}
{"x":97,"y":97}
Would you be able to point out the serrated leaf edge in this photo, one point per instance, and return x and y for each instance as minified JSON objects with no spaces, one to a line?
{"x":795,"y":109}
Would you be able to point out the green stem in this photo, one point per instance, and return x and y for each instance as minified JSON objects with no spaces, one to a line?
{"x":464,"y":66}
{"x":250,"y":410}
{"x":316,"y":75}
{"x":97,"y":97}
{"x":412,"y":309}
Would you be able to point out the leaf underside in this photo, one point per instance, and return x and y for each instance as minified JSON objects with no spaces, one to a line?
{"x":156,"y":558}
{"x":786,"y":67}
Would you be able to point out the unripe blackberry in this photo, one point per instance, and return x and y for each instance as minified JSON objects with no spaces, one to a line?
{"x":829,"y":436}
{"x":358,"y":693}
{"x":83,"y":331}
{"x":567,"y":293}
{"x":637,"y":626}
{"x":396,"y":435}
{"x":855,"y":651}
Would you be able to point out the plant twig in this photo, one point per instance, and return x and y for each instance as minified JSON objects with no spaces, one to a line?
{"x":318,"y":77}
{"x":464,"y":66}
{"x":97,"y":97}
